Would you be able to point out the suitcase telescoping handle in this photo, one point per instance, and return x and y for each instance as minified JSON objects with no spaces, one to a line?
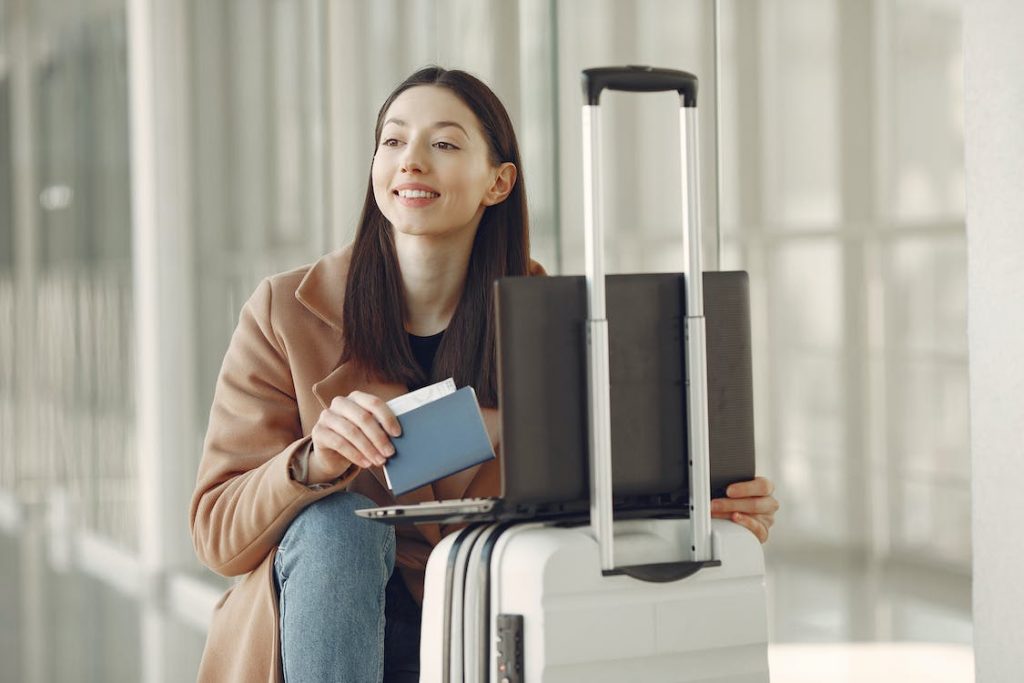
{"x":645,"y":79}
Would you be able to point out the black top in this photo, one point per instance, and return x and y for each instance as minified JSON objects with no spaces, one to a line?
{"x":423,"y":350}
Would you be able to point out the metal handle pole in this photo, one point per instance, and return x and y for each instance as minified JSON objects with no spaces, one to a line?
{"x":599,"y":397}
{"x":599,"y":394}
{"x":696,"y":341}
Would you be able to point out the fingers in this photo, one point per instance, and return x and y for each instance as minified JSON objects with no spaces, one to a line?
{"x":379,"y":409}
{"x":354,"y":427}
{"x":750,"y":504}
{"x":351,"y":436}
{"x":360,"y":411}
{"x":756,"y":487}
{"x":761,"y":505}
{"x":329,"y":442}
{"x":754,"y":524}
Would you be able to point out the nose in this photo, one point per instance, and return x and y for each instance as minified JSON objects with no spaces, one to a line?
{"x":413,"y":160}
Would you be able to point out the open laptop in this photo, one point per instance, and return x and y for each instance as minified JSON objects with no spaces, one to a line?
{"x":543,"y":399}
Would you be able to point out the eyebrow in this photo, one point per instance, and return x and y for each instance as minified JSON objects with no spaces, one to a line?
{"x":439,"y":124}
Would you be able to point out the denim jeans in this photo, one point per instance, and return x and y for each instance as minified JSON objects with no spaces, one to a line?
{"x":346,"y":614}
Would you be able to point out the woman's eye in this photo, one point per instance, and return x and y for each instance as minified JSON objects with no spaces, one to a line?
{"x":445,"y":145}
{"x":389,"y":142}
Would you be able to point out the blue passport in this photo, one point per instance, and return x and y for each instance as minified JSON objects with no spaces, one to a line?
{"x":438,"y":439}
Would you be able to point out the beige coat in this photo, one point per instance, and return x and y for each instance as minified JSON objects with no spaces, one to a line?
{"x":280,"y":371}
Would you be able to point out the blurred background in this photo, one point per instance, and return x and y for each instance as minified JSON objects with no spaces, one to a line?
{"x":159,"y":157}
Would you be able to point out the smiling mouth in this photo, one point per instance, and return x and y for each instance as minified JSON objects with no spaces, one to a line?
{"x":417,"y":194}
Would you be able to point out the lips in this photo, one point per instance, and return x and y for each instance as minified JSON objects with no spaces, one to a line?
{"x":416,"y":191}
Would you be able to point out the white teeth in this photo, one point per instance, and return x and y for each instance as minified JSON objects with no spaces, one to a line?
{"x":417,"y":194}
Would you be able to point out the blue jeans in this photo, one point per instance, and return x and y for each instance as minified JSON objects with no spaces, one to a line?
{"x":346,"y":614}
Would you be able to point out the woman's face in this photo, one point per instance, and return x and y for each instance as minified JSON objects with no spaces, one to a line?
{"x":432,"y":173}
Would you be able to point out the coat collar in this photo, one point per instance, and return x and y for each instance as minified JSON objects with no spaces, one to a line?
{"x":322,"y":290}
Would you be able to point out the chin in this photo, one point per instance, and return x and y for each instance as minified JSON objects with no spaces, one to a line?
{"x":420,"y":230}
{"x":417,"y":230}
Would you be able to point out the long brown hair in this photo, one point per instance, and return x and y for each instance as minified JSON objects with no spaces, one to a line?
{"x":374,"y":329}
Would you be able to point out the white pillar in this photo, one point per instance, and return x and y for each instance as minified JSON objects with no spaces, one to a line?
{"x":161,"y":260}
{"x":994,"y":106}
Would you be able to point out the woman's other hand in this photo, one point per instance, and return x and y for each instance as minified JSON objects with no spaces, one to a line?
{"x":355,"y":429}
{"x":749,"y":503}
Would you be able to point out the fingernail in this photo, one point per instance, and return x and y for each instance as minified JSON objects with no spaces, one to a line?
{"x":389,"y":450}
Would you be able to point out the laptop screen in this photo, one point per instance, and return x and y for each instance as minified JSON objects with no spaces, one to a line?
{"x":542,"y":386}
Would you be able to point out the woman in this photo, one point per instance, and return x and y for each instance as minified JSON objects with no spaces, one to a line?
{"x":299,"y":427}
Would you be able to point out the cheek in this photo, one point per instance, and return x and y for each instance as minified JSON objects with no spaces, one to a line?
{"x":378,"y":177}
{"x":473,"y":186}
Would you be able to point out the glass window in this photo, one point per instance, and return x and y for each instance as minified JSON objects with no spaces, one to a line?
{"x":641,"y":184}
{"x":808,"y":306}
{"x":6,"y":173}
{"x":257,"y":183}
{"x":8,"y":320}
{"x":926,"y":295}
{"x":859,"y":329}
{"x":924,"y":98}
{"x":84,"y":324}
{"x":929,"y":520}
{"x":928,"y":408}
{"x":801,"y":132}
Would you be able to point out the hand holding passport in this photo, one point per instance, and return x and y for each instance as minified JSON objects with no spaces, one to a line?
{"x":443,"y":433}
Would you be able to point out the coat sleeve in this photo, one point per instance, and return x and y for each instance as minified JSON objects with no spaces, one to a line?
{"x":244,"y":498}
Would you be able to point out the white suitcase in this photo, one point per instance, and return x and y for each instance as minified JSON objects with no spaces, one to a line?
{"x":642,"y":600}
{"x":578,"y":625}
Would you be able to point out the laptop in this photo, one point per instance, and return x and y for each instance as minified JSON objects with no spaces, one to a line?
{"x":542,"y":399}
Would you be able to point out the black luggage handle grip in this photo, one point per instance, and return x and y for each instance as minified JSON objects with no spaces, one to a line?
{"x":639,"y":79}
{"x":663,"y":572}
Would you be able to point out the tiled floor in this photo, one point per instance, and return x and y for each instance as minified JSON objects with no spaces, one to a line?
{"x":871,"y":663}
{"x":821,"y":596}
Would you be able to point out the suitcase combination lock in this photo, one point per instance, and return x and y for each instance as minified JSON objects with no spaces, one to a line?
{"x":510,"y":648}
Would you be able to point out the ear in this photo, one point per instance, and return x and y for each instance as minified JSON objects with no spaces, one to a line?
{"x":503,"y":183}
